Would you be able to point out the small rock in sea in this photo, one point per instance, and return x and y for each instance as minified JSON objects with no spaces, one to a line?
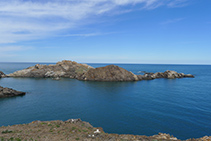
{"x":56,"y":78}
{"x":8,"y":92}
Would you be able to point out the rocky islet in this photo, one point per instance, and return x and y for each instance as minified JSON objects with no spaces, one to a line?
{"x":71,"y":69}
{"x":8,"y":92}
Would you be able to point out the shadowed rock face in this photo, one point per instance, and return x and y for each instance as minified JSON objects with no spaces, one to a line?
{"x":7,"y":92}
{"x":109,"y":73}
{"x":2,"y":74}
{"x":65,"y":68}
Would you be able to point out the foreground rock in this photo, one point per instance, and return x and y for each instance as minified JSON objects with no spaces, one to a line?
{"x":109,"y":73}
{"x":72,"y":130}
{"x":69,"y":69}
{"x":2,"y":74}
{"x":8,"y":92}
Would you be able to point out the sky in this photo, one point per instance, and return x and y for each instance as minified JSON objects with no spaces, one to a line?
{"x":106,"y":31}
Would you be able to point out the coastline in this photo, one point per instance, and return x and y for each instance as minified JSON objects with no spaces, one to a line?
{"x":74,"y":129}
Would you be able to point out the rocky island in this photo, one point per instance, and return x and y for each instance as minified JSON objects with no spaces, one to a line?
{"x":8,"y":92}
{"x":73,"y":130}
{"x":71,"y":69}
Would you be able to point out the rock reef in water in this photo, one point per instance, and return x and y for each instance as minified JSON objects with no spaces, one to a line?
{"x":72,"y":130}
{"x":167,"y":74}
{"x":8,"y":92}
{"x":69,"y":69}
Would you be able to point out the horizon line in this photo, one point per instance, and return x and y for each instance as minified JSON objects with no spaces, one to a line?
{"x":128,"y":63}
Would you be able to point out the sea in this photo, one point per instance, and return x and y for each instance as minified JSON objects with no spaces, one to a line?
{"x":179,"y":107}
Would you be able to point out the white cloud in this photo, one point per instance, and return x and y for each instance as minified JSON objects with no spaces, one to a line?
{"x":177,"y":3}
{"x":34,"y":19}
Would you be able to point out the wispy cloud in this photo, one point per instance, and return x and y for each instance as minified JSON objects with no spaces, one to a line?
{"x":172,"y":21}
{"x":178,"y":3}
{"x":10,"y":51}
{"x":31,"y":19}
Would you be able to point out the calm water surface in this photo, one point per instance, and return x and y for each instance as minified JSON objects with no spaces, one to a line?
{"x":180,"y":107}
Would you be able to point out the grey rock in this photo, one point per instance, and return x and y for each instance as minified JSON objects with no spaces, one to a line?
{"x":8,"y":92}
{"x":68,"y":69}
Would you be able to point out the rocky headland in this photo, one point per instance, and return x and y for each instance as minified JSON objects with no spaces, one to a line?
{"x":8,"y":92}
{"x":69,"y":69}
{"x":73,"y":130}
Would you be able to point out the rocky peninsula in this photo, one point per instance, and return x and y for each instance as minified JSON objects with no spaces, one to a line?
{"x":8,"y":92}
{"x":73,"y":130}
{"x":71,"y":69}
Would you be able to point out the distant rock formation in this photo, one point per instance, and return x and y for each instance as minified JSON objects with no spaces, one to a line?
{"x":109,"y":73}
{"x":8,"y":92}
{"x":167,"y":74}
{"x":68,"y":69}
{"x":2,"y":74}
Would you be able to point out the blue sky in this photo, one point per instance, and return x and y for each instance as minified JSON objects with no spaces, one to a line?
{"x":106,"y":31}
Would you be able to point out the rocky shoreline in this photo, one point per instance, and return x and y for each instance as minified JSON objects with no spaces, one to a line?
{"x":74,"y":70}
{"x":74,"y":129}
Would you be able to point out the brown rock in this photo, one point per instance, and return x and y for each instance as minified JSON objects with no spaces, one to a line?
{"x":109,"y":73}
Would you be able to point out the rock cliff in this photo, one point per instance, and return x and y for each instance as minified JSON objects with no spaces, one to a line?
{"x":8,"y":92}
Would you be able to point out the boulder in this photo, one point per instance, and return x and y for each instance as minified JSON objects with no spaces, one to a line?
{"x":8,"y":92}
{"x":188,"y":75}
{"x":109,"y":73}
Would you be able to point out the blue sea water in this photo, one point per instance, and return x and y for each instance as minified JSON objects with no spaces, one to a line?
{"x":180,"y":107}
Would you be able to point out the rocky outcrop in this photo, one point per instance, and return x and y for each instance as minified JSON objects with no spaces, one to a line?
{"x":167,"y":74}
{"x":8,"y":92}
{"x":68,"y":69}
{"x":73,"y":130}
{"x":2,"y":74}
{"x":108,"y":73}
